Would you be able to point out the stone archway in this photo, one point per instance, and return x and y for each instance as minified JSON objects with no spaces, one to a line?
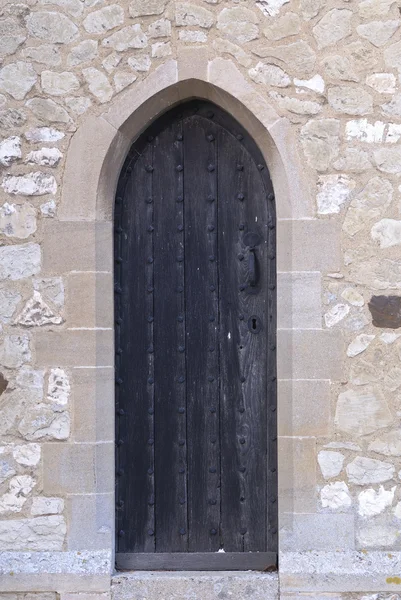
{"x":308,"y":356}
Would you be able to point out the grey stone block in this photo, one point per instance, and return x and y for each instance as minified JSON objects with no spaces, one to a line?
{"x":78,"y":468}
{"x":195,"y":585}
{"x":74,"y":348}
{"x":304,"y":407}
{"x":310,"y":354}
{"x":76,"y":246}
{"x":92,"y":399}
{"x":299,"y":303}
{"x":297,"y":474}
{"x":316,"y":531}
{"x":91,"y":521}
{"x":308,"y":245}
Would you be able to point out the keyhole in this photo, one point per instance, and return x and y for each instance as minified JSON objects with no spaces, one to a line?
{"x":254,"y":324}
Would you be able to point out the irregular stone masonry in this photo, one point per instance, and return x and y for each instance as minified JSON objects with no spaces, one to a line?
{"x":332,"y":69}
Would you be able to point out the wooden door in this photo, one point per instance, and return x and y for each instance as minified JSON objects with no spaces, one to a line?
{"x":195,"y":306}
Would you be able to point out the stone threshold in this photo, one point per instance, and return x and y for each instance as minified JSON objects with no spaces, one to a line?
{"x":194,"y":585}
{"x":339,"y":571}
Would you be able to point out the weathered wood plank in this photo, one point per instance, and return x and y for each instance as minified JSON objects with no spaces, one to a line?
{"x":201,"y":297}
{"x":199,"y":561}
{"x":243,"y":354}
{"x":169,"y":334}
{"x":135,"y":487}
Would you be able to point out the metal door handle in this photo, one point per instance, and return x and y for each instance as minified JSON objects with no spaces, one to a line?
{"x":252,"y":267}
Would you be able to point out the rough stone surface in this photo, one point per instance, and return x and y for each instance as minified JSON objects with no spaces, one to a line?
{"x":15,"y":351}
{"x":46,"y":54}
{"x":9,"y":300}
{"x":48,"y":111}
{"x":33,"y":184}
{"x":271,"y":8}
{"x":388,"y":444}
{"x":350,"y":100}
{"x":44,"y":422}
{"x":335,"y":496}
{"x":36,"y":312}
{"x":53,"y":27}
{"x":44,"y":134}
{"x":285,"y":26}
{"x":259,"y":586}
{"x":320,"y":142}
{"x":353,"y":160}
{"x":333,"y":27}
{"x":372,"y":503}
{"x":362,"y":412}
{"x":378,"y":32}
{"x":340,"y":68}
{"x":296,"y":106}
{"x":362,"y":130}
{"x":10,"y":150}
{"x":388,"y":160}
{"x":12,"y":35}
{"x":104,"y":19}
{"x":84,"y":52}
{"x":17,"y":79}
{"x":140,"y":64}
{"x":187,"y":14}
{"x":359,"y":344}
{"x":387,"y":233}
{"x":45,"y":157}
{"x":27,"y":455}
{"x":362,"y":471}
{"x":384,"y":83}
{"x":128,"y":37}
{"x":40,"y":533}
{"x":98,"y":84}
{"x":315,"y":83}
{"x":19,"y":262}
{"x":336,"y":314}
{"x":141,"y":8}
{"x":47,"y":506}
{"x":331,"y":463}
{"x":17,"y":220}
{"x":298,"y":56}
{"x":192,"y":37}
{"x":333,"y":192}
{"x":161,"y":49}
{"x":238,"y":23}
{"x":160,"y":28}
{"x":368,"y":205}
{"x":269,"y":75}
{"x":59,"y":84}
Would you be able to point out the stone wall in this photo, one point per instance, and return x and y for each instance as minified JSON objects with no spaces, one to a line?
{"x":328,"y":70}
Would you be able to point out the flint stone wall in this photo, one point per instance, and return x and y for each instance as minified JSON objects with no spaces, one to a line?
{"x":331,"y":72}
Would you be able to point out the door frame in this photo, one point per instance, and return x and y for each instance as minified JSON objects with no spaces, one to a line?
{"x":307,"y":358}
{"x":263,"y":561}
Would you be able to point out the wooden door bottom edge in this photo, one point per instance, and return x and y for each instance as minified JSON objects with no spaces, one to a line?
{"x":197,"y":561}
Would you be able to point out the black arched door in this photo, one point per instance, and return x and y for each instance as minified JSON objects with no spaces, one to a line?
{"x":195,"y":306}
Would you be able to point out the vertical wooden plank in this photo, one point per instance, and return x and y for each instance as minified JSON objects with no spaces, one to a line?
{"x":169,"y":341}
{"x":271,"y":467}
{"x":256,"y":349}
{"x":242,"y":353}
{"x":201,"y":294}
{"x":135,"y":485}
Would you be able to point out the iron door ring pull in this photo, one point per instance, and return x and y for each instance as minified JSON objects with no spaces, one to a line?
{"x":252,"y":240}
{"x":252,"y":269}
